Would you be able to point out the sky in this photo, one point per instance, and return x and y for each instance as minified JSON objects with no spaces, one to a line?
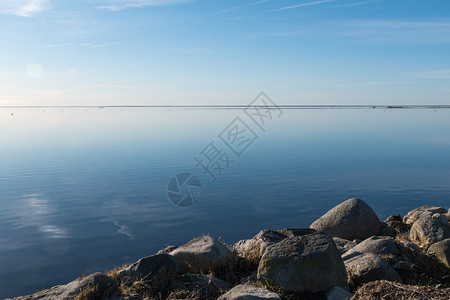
{"x":169,"y":52}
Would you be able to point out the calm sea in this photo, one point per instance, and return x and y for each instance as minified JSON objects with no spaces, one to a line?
{"x":86,"y":189}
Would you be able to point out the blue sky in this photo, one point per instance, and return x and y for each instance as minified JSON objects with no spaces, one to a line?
{"x":100,"y":52}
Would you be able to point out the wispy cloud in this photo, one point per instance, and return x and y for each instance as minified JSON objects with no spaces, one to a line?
{"x":88,"y":45}
{"x":242,"y":6}
{"x":356,"y":3}
{"x":436,"y":74}
{"x":72,"y":71}
{"x":56,"y":45}
{"x":381,"y":32}
{"x":23,"y":8}
{"x":303,"y":5}
{"x":398,"y":32}
{"x":103,"y":45}
{"x":116,"y":5}
{"x":372,"y":83}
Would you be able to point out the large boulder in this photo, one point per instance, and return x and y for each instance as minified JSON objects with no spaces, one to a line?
{"x":376,"y":245}
{"x":202,"y":255}
{"x":369,"y":267}
{"x":94,"y":286}
{"x":249,"y":292}
{"x":415,"y":214}
{"x":442,"y":251}
{"x":160,"y":268}
{"x":303,"y":264}
{"x":252,"y":249}
{"x":352,"y":219}
{"x":428,"y":230}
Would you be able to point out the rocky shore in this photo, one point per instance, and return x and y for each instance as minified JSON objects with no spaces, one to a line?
{"x":345,"y":254}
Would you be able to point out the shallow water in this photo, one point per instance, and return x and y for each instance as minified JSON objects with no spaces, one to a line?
{"x":85,"y":189}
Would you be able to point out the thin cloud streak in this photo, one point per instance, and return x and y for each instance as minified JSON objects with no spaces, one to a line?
{"x":117,"y":5}
{"x":355,"y":3}
{"x":23,"y":8}
{"x":436,"y":74}
{"x":104,"y":45}
{"x":242,"y":6}
{"x":396,"y":32}
{"x":303,"y":5}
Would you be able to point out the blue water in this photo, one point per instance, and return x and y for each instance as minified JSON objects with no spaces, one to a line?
{"x":85,"y":189}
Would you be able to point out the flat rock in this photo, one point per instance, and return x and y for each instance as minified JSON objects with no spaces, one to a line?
{"x":343,"y":245}
{"x":352,"y":219}
{"x":249,"y":292}
{"x":309,"y":263}
{"x":442,"y":251}
{"x":202,"y":255}
{"x":338,"y":293}
{"x":428,"y":230}
{"x":369,"y":267}
{"x":376,"y":245}
{"x":158,"y":266}
{"x":95,"y":286}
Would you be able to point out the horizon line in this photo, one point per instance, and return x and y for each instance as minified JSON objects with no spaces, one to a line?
{"x":284,"y":106}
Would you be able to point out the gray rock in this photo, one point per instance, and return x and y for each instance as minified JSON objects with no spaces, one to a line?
{"x":204,"y":284}
{"x":159,"y":266}
{"x":249,"y":292}
{"x":252,"y":249}
{"x":352,"y":219}
{"x":250,"y":278}
{"x":441,"y":218}
{"x":128,"y":297}
{"x":95,"y":286}
{"x":203,"y":280}
{"x":369,"y":267}
{"x":387,"y":230}
{"x":343,"y":245}
{"x":338,"y":293}
{"x":415,"y":214}
{"x":442,"y":251}
{"x":396,"y":222}
{"x":447,"y":215}
{"x":405,"y":266}
{"x":291,"y":232}
{"x":393,"y":218}
{"x":427,"y":231}
{"x":202,"y":255}
{"x":376,"y":245}
{"x":167,"y":250}
{"x":310,"y":263}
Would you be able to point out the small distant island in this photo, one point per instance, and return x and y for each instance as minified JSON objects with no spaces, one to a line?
{"x":345,"y":254}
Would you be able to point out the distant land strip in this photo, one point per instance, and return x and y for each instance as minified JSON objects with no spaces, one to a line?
{"x":288,"y":106}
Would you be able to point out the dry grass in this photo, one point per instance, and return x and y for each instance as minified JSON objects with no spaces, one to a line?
{"x":114,"y":273}
{"x":430,"y":271}
{"x":394,"y":291}
{"x":89,"y":292}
